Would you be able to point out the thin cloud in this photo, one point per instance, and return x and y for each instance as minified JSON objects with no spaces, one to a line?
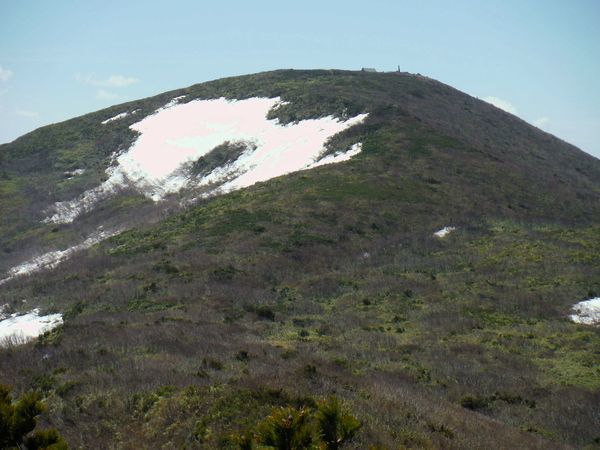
{"x":121,"y":81}
{"x":107,"y":95}
{"x":115,"y":81}
{"x":25,"y":113}
{"x":541,"y":122}
{"x":5,"y":74}
{"x":502,"y":104}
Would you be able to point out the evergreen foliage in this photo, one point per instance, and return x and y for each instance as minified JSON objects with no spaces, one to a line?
{"x":19,"y":418}
{"x":335,"y":425}
{"x":328,"y":427}
{"x":48,"y":439}
{"x":286,"y":429}
{"x":223,"y":154}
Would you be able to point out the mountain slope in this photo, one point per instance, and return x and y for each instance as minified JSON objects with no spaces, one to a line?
{"x":512,"y":165}
{"x":194,"y":324}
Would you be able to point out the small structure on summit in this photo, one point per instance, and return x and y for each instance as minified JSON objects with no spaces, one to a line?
{"x":368,"y":69}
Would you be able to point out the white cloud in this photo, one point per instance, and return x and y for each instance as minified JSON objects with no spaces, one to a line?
{"x":502,"y":104}
{"x":25,"y":113}
{"x":5,"y":74}
{"x":107,"y":95}
{"x":541,"y":122}
{"x":112,"y":81}
{"x":120,"y":81}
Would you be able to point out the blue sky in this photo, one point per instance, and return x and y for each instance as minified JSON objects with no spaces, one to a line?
{"x":539,"y":59}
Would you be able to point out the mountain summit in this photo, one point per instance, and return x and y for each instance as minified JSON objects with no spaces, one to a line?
{"x":266,"y":241}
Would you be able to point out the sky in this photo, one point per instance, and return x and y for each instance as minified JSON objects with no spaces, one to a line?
{"x":537,"y":59}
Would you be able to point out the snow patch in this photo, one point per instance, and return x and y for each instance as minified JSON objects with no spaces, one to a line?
{"x":174,"y":101}
{"x":52,"y":259}
{"x":117,"y":117}
{"x":178,"y":134}
{"x":587,"y":312}
{"x":444,"y":232}
{"x":66,"y":212}
{"x":338,"y":157}
{"x":74,"y":173}
{"x":22,"y":328}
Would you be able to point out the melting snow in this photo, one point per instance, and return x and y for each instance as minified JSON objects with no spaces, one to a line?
{"x":74,"y":173}
{"x":444,"y":232}
{"x":66,"y":212}
{"x":178,"y":134}
{"x":22,"y":328}
{"x":118,"y":116}
{"x":52,"y":259}
{"x":587,"y":312}
{"x":338,"y":157}
{"x":171,"y":103}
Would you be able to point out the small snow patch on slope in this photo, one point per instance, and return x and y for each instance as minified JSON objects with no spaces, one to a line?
{"x":178,"y":134}
{"x":52,"y":259}
{"x":118,"y":116}
{"x":587,"y":312}
{"x":18,"y":329}
{"x":444,"y":232}
{"x":74,"y":173}
{"x":171,"y":103}
{"x":337,"y":157}
{"x":66,"y":212}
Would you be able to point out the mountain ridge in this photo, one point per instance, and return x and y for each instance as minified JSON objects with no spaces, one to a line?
{"x":192,"y":325}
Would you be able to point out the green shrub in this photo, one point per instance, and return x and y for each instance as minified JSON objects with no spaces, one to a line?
{"x":244,"y":441}
{"x":323,"y":425}
{"x":263,"y":312}
{"x":223,"y":154}
{"x":286,"y":429}
{"x":335,"y":426}
{"x":266,"y":313}
{"x":473,"y":402}
{"x":19,"y":418}
{"x":47,"y":440}
{"x":223,"y":274}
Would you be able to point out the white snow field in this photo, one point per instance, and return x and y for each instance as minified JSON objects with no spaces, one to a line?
{"x":587,"y":312}
{"x":18,"y":329}
{"x":177,"y":134}
{"x":52,"y":259}
{"x":444,"y":232}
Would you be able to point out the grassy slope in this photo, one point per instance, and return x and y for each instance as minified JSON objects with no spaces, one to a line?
{"x":326,"y":281}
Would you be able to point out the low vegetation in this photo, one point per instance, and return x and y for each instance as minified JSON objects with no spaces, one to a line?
{"x":233,"y":323}
{"x":18,"y":418}
{"x":220,"y":156}
{"x":323,"y":425}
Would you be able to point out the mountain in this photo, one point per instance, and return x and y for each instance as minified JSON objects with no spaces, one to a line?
{"x":272,"y":239}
